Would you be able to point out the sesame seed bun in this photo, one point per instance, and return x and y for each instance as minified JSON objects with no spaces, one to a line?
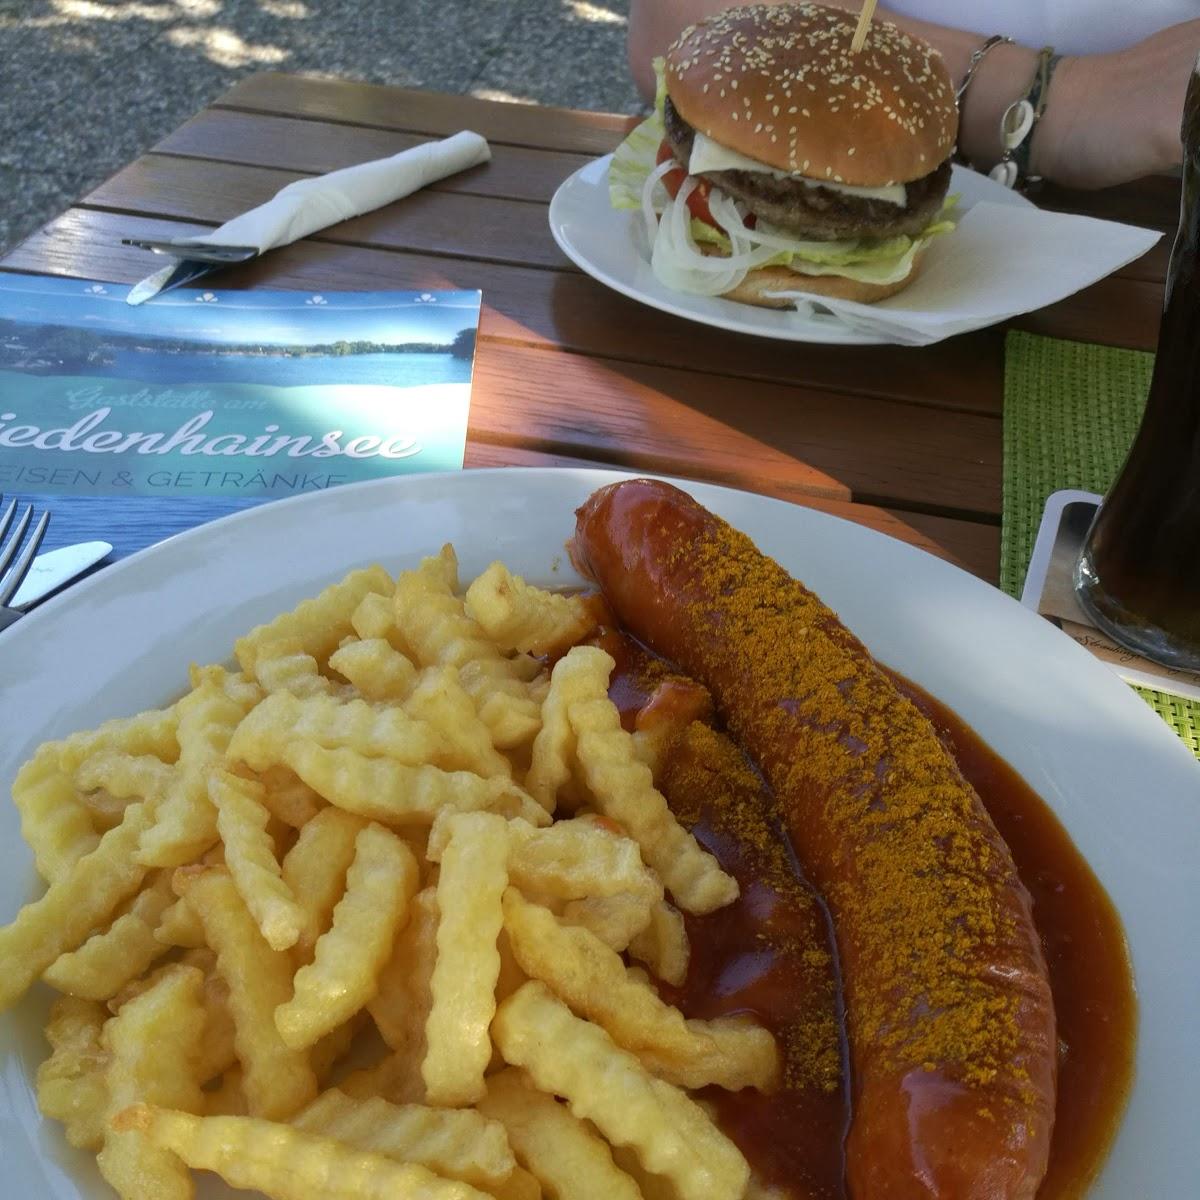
{"x":779,"y":83}
{"x":758,"y":285}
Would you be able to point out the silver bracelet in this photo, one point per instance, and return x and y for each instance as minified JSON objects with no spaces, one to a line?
{"x":973,"y":64}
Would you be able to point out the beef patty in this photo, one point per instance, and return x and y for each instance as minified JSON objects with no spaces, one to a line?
{"x":817,"y":212}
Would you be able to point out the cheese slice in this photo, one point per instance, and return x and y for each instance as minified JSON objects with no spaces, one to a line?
{"x":708,"y":155}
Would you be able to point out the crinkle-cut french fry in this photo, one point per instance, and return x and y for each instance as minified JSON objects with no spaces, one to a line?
{"x":315,"y":871}
{"x":520,"y":1185}
{"x":126,"y":776}
{"x":615,"y":920}
{"x":332,"y":1048}
{"x":55,"y":822}
{"x":663,"y":945}
{"x":569,"y":1057}
{"x":375,"y":668}
{"x":288,"y":798}
{"x":235,"y":685}
{"x":438,"y":699}
{"x":278,"y":1080}
{"x":109,"y":960}
{"x":562,"y":1152}
{"x":624,"y":790}
{"x":375,"y":618}
{"x":458,"y":1143}
{"x":152,"y":732}
{"x":81,"y":901}
{"x":70,"y":1083}
{"x":284,"y":1163}
{"x":401,"y":1006}
{"x":511,"y":975}
{"x":395,"y":1077}
{"x":283,"y":666}
{"x":394,"y":793}
{"x":105,"y":809}
{"x":581,"y":674}
{"x":343,"y":975}
{"x":652,"y":1187}
{"x":153,"y":1043}
{"x":218,"y":1047}
{"x":228,"y":1098}
{"x":473,"y":877}
{"x":186,"y":823}
{"x":583,"y":972}
{"x":518,"y":616}
{"x":432,"y":619}
{"x":179,"y":926}
{"x":318,"y":624}
{"x":324,"y":721}
{"x":250,"y":856}
{"x":576,"y":859}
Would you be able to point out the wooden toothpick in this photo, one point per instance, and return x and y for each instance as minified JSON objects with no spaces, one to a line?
{"x":864,"y":23}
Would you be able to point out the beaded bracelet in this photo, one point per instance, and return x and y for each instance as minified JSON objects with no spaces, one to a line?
{"x":1018,"y":123}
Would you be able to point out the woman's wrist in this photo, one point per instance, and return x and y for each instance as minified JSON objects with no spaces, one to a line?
{"x":1054,"y":130}
{"x":1003,"y":76}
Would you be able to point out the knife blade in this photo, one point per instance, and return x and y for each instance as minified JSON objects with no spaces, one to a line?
{"x":171,"y":276}
{"x":57,"y":567}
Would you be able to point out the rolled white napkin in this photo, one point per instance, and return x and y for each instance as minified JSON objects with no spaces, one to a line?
{"x":1001,"y":261}
{"x":307,"y":205}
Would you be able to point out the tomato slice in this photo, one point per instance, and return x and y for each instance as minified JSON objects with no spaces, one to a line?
{"x":697,"y":202}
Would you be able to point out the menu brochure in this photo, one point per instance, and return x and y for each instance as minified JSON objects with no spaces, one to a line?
{"x":161,"y":416}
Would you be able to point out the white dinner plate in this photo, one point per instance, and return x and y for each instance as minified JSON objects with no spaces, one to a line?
{"x":610,"y":245}
{"x":1123,"y":785}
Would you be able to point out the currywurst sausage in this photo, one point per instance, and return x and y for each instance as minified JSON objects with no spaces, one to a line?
{"x":949,"y":1015}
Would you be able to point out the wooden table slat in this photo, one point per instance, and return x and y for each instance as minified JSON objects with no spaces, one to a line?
{"x":315,"y":147}
{"x":428,"y":112}
{"x":658,"y":418}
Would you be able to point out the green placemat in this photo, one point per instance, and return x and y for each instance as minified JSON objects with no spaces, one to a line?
{"x":1070,"y":413}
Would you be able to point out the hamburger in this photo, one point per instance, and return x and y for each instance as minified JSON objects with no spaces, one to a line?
{"x":787,"y":162}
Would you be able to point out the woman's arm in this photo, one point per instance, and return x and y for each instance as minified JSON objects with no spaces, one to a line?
{"x":1108,"y":118}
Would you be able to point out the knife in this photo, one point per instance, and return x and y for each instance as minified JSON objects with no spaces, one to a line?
{"x":56,"y":567}
{"x":199,"y":260}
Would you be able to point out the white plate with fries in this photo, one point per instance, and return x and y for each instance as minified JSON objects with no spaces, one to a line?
{"x":357,"y":939}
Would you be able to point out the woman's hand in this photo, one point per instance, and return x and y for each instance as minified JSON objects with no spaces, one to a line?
{"x":1114,"y":117}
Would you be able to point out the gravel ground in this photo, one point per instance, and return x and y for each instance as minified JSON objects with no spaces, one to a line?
{"x":88,"y":85}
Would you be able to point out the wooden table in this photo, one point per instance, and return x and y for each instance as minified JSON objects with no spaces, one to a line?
{"x":568,"y":372}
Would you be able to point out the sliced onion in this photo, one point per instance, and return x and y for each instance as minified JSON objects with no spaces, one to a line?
{"x":680,"y":264}
{"x":649,"y":210}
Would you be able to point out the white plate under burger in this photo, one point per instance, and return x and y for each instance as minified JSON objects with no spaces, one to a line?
{"x":1118,"y":779}
{"x":610,"y":245}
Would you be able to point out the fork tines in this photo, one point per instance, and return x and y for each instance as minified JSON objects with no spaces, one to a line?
{"x":10,"y":582}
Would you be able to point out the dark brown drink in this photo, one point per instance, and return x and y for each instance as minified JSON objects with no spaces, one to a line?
{"x":1139,"y":573}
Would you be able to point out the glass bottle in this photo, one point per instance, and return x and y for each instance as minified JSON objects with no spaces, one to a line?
{"x":1138,"y":576}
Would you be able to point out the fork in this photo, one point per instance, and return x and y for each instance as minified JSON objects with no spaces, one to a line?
{"x":8,"y":551}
